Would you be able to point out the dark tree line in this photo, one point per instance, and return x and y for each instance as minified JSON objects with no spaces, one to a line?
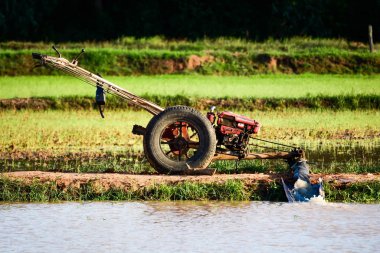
{"x":63,"y":20}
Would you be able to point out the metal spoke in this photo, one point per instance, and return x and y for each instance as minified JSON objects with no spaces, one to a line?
{"x":180,"y":129}
{"x":179,"y":141}
{"x":193,"y":145}
{"x":193,"y":135}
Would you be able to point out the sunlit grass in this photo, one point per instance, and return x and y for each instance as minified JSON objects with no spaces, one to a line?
{"x":260,"y":86}
{"x":74,"y":130}
{"x":81,"y":141}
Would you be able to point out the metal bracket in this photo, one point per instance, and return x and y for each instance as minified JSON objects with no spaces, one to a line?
{"x":75,"y":60}
{"x":56,"y":50}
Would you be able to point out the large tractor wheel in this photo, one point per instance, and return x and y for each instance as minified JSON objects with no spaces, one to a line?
{"x":178,"y":139}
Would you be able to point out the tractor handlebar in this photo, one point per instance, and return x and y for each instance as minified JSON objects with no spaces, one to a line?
{"x":96,"y":80}
{"x":37,"y":56}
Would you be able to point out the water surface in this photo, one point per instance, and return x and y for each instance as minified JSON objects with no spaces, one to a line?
{"x":189,"y":227}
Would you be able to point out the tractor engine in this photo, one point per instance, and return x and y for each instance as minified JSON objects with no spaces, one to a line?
{"x":233,"y":130}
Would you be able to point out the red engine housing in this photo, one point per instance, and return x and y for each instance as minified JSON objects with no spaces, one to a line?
{"x":232,"y":123}
{"x":232,"y":130}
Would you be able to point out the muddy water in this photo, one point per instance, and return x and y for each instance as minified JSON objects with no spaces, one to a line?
{"x":189,"y":227}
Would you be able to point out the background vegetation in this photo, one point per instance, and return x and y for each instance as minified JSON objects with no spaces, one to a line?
{"x":70,"y":20}
{"x":220,"y":56}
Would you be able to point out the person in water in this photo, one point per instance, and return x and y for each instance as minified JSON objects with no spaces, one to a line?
{"x":302,"y":190}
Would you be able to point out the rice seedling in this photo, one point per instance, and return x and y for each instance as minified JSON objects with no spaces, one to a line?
{"x":76,"y":141}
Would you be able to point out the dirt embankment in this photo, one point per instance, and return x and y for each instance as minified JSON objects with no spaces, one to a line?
{"x":134,"y":182}
{"x":220,"y":63}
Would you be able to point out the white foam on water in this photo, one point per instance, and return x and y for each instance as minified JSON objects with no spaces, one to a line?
{"x":317,"y":200}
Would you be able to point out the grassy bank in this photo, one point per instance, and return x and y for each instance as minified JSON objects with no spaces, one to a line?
{"x":15,"y":190}
{"x":221,"y":56}
{"x":19,"y":191}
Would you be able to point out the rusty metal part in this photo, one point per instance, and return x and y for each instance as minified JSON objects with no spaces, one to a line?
{"x":73,"y":69}
{"x":138,"y":130}
{"x":176,"y":135}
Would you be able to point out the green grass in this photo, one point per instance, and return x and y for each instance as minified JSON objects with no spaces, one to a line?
{"x":368,"y":192}
{"x":262,"y":86}
{"x":18,"y":191}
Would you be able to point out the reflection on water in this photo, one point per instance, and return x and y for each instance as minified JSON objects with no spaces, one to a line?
{"x":189,"y":227}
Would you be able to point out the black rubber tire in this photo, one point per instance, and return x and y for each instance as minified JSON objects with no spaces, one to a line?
{"x":206,"y":133}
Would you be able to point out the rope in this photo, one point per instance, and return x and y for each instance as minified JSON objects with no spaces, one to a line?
{"x":277,"y":143}
{"x":276,"y":149}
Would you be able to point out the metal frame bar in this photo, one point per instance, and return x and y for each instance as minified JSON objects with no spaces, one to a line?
{"x":252,"y":156}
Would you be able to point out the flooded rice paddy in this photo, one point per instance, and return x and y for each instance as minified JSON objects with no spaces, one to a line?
{"x":189,"y":227}
{"x":335,"y":159}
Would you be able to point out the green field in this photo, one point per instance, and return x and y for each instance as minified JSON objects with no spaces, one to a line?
{"x":262,"y":86}
{"x":81,"y":141}
{"x":65,"y":130}
{"x":335,"y":117}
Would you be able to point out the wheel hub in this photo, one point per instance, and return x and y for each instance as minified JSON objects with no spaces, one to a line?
{"x":180,"y":145}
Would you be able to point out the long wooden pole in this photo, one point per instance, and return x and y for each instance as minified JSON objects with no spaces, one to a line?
{"x":370,"y":37}
{"x":97,"y":81}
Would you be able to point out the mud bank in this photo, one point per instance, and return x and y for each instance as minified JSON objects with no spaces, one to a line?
{"x":49,"y":186}
{"x":130,"y":181}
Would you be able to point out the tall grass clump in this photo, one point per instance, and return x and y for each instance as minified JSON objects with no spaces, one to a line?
{"x":18,"y":191}
{"x":364,"y":192}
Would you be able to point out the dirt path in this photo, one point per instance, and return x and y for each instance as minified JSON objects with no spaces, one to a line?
{"x":129,"y":181}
